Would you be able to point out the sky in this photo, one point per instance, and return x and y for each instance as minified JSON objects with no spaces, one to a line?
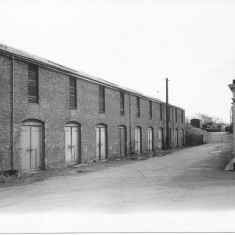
{"x":136,"y":44}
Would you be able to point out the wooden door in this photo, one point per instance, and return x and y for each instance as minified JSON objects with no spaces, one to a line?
{"x":182,"y":137}
{"x":138,"y":140}
{"x":36,"y":147}
{"x":72,"y":143}
{"x":68,"y":155}
{"x":176,"y":137}
{"x":25,"y":146}
{"x":150,"y":139}
{"x":160,"y":138}
{"x":122,"y":141}
{"x":31,"y":145}
{"x":101,"y":143}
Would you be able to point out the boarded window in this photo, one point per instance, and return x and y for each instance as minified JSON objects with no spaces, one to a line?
{"x":150,"y":110}
{"x":122,"y":107}
{"x":138,"y":106}
{"x":72,"y":93}
{"x":176,"y":115}
{"x":101,"y":99}
{"x":161,"y":112}
{"x":32,"y":83}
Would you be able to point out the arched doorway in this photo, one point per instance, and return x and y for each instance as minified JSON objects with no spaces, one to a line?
{"x":160,"y":138}
{"x":150,"y":139}
{"x":72,"y":143}
{"x":176,"y":138}
{"x":122,"y":141}
{"x":138,"y":140}
{"x":183,"y":138}
{"x":32,"y":145}
{"x":101,"y":142}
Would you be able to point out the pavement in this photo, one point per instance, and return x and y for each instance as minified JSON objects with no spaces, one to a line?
{"x":175,"y":192}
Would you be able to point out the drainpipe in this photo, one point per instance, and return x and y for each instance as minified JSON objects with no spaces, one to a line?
{"x":167,"y":117}
{"x":130,"y":120}
{"x":12,"y":114}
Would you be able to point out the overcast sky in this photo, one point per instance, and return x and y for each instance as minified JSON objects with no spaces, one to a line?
{"x":136,"y":44}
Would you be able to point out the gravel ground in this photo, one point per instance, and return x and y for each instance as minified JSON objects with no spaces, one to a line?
{"x":80,"y":169}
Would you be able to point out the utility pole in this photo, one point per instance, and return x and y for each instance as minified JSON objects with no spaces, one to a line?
{"x":167,"y":116}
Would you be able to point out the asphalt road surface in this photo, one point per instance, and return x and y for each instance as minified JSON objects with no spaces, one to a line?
{"x":191,"y":179}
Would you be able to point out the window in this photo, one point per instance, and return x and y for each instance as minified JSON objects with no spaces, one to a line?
{"x":138,"y":106}
{"x":101,"y":99}
{"x":161,"y":112}
{"x":122,"y":103}
{"x":32,"y":83}
{"x":182,"y":116}
{"x":72,"y":93}
{"x":150,"y":110}
{"x":176,"y":115}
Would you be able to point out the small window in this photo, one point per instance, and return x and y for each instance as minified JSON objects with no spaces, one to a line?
{"x":101,"y":99}
{"x":176,"y":115}
{"x":72,"y":93}
{"x":182,"y":116}
{"x":161,"y":112}
{"x":150,"y":110}
{"x":122,"y":108}
{"x":33,"y":83}
{"x":138,"y":106}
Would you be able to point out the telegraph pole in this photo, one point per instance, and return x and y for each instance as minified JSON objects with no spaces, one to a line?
{"x":167,"y":116}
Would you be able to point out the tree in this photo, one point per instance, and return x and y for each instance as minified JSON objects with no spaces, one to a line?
{"x":204,"y":117}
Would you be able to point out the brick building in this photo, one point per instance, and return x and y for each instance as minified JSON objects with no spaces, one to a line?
{"x":53,"y":116}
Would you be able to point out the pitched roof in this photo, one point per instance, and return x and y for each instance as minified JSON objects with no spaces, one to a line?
{"x":47,"y":63}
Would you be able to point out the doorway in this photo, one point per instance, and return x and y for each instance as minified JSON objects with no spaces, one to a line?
{"x":160,"y":138}
{"x":72,"y":143}
{"x":122,"y":141}
{"x":101,"y":145}
{"x":176,"y":138}
{"x":138,"y":140}
{"x":150,"y":139}
{"x":31,"y":144}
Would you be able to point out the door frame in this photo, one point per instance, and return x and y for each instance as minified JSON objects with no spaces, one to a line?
{"x":177,"y":137}
{"x":35,"y":123}
{"x":160,"y":130}
{"x":99,"y":126}
{"x":140,"y":140}
{"x":75,"y":124}
{"x":125,"y":140}
{"x":152,"y":131}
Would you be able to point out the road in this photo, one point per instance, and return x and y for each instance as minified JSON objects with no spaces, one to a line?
{"x":191,"y":179}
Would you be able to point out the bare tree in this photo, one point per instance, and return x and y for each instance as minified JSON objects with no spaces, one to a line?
{"x":204,"y":117}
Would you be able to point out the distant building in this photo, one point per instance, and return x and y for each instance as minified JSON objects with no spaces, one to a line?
{"x":195,"y":122}
{"x":53,"y":116}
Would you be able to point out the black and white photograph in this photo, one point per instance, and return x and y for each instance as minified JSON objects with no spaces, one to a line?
{"x":117,"y":116}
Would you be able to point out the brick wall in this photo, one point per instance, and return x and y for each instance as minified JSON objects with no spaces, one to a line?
{"x":5,"y":112}
{"x":53,"y":111}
